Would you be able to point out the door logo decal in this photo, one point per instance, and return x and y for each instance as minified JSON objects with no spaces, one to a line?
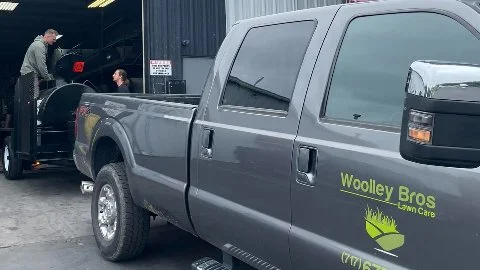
{"x":402,"y":197}
{"x":383,"y":229}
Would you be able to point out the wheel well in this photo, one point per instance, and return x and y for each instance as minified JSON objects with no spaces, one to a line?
{"x":106,"y":151}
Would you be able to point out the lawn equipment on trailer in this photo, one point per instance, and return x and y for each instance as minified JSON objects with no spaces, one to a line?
{"x":44,"y":119}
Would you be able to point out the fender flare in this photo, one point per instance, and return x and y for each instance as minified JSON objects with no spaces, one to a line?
{"x":111,"y":128}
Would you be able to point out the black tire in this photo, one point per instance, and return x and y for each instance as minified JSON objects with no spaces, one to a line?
{"x":133,"y":223}
{"x":14,"y":169}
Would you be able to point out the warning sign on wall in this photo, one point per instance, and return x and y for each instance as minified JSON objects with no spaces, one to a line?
{"x":160,"y":67}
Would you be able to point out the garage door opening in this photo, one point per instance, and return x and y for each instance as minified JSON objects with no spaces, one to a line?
{"x":107,"y":33}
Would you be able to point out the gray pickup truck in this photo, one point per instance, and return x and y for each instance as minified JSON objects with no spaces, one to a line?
{"x":302,"y":153}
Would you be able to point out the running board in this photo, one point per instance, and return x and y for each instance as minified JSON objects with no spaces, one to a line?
{"x":208,"y":264}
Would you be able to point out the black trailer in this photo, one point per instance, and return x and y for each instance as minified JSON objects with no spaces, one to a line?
{"x":44,"y":119}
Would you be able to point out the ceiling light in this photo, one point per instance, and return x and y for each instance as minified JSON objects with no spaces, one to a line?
{"x":108,"y":2}
{"x":8,"y":6}
{"x":96,"y":3}
{"x":100,"y":3}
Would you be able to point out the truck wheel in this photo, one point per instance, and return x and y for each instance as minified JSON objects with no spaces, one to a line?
{"x":120,"y":227}
{"x":12,"y":166}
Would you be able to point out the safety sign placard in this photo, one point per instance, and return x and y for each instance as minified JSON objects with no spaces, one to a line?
{"x":160,"y":67}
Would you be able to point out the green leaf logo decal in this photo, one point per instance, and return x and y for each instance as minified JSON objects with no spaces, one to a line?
{"x":383,"y":230}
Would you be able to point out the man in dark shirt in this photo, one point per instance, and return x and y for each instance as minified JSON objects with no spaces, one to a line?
{"x":121,"y":79}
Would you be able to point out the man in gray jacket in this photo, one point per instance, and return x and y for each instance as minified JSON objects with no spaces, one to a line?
{"x":36,"y":57}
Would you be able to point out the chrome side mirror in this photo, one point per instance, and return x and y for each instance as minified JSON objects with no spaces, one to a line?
{"x":441,"y":114}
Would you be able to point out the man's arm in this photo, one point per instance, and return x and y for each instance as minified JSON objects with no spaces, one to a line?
{"x":41,"y":63}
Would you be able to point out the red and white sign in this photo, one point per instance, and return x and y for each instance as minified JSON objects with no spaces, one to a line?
{"x":160,"y":68}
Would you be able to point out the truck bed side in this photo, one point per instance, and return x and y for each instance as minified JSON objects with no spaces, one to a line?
{"x":151,"y":136}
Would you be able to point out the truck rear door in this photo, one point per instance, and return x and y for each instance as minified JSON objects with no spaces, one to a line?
{"x":356,"y":203}
{"x":241,"y":172}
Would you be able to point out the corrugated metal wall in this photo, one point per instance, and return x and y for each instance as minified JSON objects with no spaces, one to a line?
{"x":177,"y":28}
{"x":204,"y":26}
{"x":244,"y":9}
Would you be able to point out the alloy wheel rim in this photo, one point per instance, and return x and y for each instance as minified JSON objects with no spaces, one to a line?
{"x":107,"y":212}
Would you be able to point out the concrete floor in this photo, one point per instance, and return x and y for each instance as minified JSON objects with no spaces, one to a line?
{"x":45,"y":224}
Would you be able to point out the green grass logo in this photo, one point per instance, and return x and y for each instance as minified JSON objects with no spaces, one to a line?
{"x":383,"y":230}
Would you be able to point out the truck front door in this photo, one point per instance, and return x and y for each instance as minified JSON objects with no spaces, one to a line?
{"x":356,"y":203}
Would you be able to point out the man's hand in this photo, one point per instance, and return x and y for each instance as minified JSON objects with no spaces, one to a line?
{"x":49,"y":78}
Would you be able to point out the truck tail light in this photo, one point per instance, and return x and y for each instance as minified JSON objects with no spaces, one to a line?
{"x":82,"y":111}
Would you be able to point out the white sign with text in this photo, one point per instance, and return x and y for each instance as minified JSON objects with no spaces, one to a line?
{"x":160,"y":68}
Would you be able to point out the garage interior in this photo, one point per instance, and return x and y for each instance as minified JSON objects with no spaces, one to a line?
{"x":108,"y":36}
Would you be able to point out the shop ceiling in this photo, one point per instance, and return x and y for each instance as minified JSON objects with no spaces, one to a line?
{"x":72,"y":18}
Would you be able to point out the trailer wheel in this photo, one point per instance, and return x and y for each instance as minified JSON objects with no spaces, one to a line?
{"x":120,"y":227}
{"x":12,"y":166}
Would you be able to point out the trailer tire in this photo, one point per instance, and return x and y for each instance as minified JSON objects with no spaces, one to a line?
{"x":12,"y":166}
{"x":120,"y":227}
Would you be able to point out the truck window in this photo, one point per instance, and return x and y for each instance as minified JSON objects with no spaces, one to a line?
{"x":266,"y":67}
{"x":368,"y":81}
